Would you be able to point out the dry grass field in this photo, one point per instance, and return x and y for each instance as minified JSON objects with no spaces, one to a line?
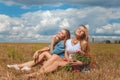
{"x":107,"y":57}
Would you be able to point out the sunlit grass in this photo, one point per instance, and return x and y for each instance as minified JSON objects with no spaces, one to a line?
{"x":106,"y":55}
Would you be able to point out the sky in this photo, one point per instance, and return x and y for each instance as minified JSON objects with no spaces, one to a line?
{"x":38,"y":20}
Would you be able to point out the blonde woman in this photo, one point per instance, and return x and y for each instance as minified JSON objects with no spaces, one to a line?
{"x":57,"y":47}
{"x":80,"y":42}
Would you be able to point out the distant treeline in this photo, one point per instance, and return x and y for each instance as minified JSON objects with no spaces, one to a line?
{"x":106,"y":41}
{"x":115,"y":41}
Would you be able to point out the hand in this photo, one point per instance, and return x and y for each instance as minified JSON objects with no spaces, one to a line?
{"x":70,"y":60}
{"x":35,"y":56}
{"x":76,"y":62}
{"x":54,"y":38}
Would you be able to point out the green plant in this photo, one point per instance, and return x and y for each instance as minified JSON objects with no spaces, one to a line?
{"x":78,"y":56}
{"x":81,"y":57}
{"x":68,"y":67}
{"x":11,"y":53}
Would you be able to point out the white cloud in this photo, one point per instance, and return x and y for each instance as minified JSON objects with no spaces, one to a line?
{"x":99,"y":30}
{"x":117,"y":31}
{"x":105,"y":28}
{"x":4,"y":23}
{"x":109,"y":29}
{"x":41,"y":25}
{"x":64,"y":24}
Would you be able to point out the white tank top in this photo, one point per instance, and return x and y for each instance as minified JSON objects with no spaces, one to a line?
{"x":71,"y":49}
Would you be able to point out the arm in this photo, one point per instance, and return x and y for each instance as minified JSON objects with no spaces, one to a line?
{"x":39,"y":51}
{"x":76,"y":62}
{"x":66,"y":55}
{"x":46,"y":48}
{"x":83,"y":51}
{"x":84,"y":48}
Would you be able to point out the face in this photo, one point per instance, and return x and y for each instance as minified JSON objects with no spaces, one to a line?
{"x":80,"y":31}
{"x":61,"y":34}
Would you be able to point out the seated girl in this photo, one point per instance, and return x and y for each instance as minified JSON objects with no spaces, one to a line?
{"x":80,"y":43}
{"x":57,"y":47}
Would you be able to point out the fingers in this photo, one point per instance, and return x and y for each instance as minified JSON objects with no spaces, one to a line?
{"x":54,"y":37}
{"x":36,"y":59}
{"x":35,"y":55}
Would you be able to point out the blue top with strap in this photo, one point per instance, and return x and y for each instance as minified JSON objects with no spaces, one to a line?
{"x":59,"y":49}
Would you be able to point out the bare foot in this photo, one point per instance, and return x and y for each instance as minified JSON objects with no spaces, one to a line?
{"x":15,"y":66}
{"x":25,"y":68}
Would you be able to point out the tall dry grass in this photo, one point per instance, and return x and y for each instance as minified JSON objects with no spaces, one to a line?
{"x":106,"y":55}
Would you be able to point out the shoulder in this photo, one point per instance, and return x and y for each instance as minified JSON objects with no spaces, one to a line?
{"x":84,"y":42}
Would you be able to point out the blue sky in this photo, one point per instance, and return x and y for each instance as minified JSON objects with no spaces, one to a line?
{"x":15,"y":10}
{"x":38,"y":20}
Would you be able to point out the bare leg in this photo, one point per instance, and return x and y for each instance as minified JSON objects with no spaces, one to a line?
{"x":28,"y":64}
{"x":53,"y":67}
{"x":52,"y":60}
{"x":46,"y":55}
{"x":49,"y":68}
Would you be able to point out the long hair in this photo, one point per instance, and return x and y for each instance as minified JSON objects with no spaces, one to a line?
{"x":84,"y":40}
{"x":67,"y":36}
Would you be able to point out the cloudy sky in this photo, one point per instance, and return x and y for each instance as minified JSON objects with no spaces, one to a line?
{"x":38,"y":20}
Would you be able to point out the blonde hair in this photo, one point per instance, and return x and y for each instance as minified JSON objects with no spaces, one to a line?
{"x":84,"y":41}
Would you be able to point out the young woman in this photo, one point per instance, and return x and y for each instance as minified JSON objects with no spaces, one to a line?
{"x":80,"y":42}
{"x":57,"y":47}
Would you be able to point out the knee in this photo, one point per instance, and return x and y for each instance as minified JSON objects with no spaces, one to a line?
{"x":56,"y":63}
{"x":44,"y":53}
{"x":54,"y":56}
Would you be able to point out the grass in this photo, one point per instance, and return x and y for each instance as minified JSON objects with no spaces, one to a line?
{"x":106,"y":55}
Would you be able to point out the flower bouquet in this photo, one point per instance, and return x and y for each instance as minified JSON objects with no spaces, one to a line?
{"x":81,"y":57}
{"x":78,"y":55}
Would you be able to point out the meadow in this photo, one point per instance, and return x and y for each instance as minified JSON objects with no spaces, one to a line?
{"x":107,"y":57}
